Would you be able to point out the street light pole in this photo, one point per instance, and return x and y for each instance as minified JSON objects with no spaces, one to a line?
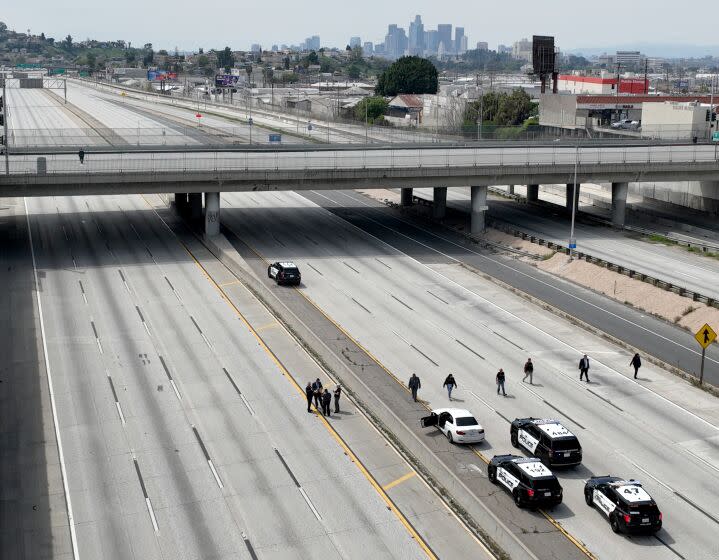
{"x":575,"y":197}
{"x":4,"y":114}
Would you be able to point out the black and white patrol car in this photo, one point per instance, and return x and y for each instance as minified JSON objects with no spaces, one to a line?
{"x":629,"y":508}
{"x":548,"y":440}
{"x":284,"y":273}
{"x":527,"y":479}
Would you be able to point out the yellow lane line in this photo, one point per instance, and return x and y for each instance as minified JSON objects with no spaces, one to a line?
{"x":390,"y":504}
{"x":400,"y":480}
{"x":553,"y":521}
{"x":267,"y":326}
{"x":232,"y":283}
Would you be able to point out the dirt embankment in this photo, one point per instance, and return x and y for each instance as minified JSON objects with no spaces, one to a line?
{"x":667,"y":305}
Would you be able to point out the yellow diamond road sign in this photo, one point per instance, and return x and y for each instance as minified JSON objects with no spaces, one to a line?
{"x":705,"y":336}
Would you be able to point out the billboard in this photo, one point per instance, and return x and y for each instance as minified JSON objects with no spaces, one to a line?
{"x":160,"y":75}
{"x":226,"y":80}
{"x":543,"y":55}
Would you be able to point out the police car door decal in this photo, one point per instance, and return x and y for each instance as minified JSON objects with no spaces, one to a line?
{"x":507,"y":479}
{"x":273,"y":270}
{"x":528,"y":441}
{"x":603,"y":503}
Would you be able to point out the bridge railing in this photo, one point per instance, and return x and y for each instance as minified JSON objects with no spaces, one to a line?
{"x":304,"y":160}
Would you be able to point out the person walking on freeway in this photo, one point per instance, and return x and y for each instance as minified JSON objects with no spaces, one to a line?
{"x":309,"y":392}
{"x":81,"y":155}
{"x":317,"y":393}
{"x":637,"y":363}
{"x":414,"y":385}
{"x":450,"y":383}
{"x":500,"y":381}
{"x":338,"y":394}
{"x":584,"y":368}
{"x":528,"y":371}
{"x":326,"y":400}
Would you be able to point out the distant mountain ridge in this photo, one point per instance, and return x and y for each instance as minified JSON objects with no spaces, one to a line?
{"x":664,"y":50}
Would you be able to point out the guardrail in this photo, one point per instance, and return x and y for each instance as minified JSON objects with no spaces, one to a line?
{"x":396,"y":159}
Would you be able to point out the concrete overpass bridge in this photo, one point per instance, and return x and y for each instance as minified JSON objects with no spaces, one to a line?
{"x":190,"y":173}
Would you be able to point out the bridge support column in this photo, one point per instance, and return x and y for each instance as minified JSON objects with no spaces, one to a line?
{"x":407,"y":197}
{"x":212,"y":213}
{"x":571,"y":197}
{"x":439,"y":207}
{"x":619,"y":203}
{"x":479,"y":207}
{"x":194,"y":201}
{"x":181,"y":204}
{"x":510,"y":189}
{"x":532,"y":193}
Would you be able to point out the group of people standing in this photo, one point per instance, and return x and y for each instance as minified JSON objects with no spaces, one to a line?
{"x":450,"y":383}
{"x":322,"y":397}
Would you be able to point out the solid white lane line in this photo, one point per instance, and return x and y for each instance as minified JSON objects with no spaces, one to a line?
{"x":51,"y":391}
{"x":119,"y":411}
{"x":646,"y":472}
{"x":527,"y":323}
{"x":174,"y":388}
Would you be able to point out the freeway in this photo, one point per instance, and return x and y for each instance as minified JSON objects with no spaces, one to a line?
{"x":178,"y":434}
{"x":422,"y":313}
{"x":689,"y":271}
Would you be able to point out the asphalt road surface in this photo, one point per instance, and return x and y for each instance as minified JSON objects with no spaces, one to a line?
{"x":180,"y":437}
{"x":423,"y":313}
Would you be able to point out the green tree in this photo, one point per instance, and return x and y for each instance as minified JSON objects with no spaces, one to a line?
{"x":409,"y":74}
{"x":354,"y":70}
{"x":149,"y":58}
{"x":312,"y":58}
{"x":286,"y":62}
{"x":68,"y":42}
{"x":373,"y":108}
{"x":226,"y":59}
{"x":91,"y":59}
{"x":202,"y":61}
{"x":501,"y":109}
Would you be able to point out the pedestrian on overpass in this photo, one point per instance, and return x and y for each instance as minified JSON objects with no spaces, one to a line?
{"x":414,"y":385}
{"x":637,"y":363}
{"x":584,"y":368}
{"x":81,"y":155}
{"x":528,"y":371}
{"x":309,"y":392}
{"x":338,"y":394}
{"x":500,"y":381}
{"x":450,"y":383}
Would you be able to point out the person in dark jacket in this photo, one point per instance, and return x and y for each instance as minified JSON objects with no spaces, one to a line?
{"x":326,"y":400}
{"x":500,"y":381}
{"x":584,"y":368}
{"x":450,"y":383}
{"x":338,"y":394}
{"x":81,"y":155}
{"x":637,"y":363}
{"x":309,"y":392}
{"x":528,"y":371}
{"x":414,"y":385}
{"x":317,"y":392}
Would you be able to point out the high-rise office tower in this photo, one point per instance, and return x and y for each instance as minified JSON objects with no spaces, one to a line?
{"x":416,"y":36}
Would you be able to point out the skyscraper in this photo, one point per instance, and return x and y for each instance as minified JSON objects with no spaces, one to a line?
{"x":431,"y":41}
{"x":444,"y":35}
{"x":355,"y":42}
{"x":395,"y":42}
{"x":416,"y":36}
{"x":458,"y":36}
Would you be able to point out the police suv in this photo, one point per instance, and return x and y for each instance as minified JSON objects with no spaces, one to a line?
{"x":284,"y":273}
{"x":527,"y":479}
{"x":547,"y":440}
{"x":629,"y":508}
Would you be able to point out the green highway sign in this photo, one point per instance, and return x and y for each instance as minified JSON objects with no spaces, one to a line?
{"x":715,"y":137}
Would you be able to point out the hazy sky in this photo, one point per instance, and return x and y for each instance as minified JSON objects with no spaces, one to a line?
{"x":215,"y":23}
